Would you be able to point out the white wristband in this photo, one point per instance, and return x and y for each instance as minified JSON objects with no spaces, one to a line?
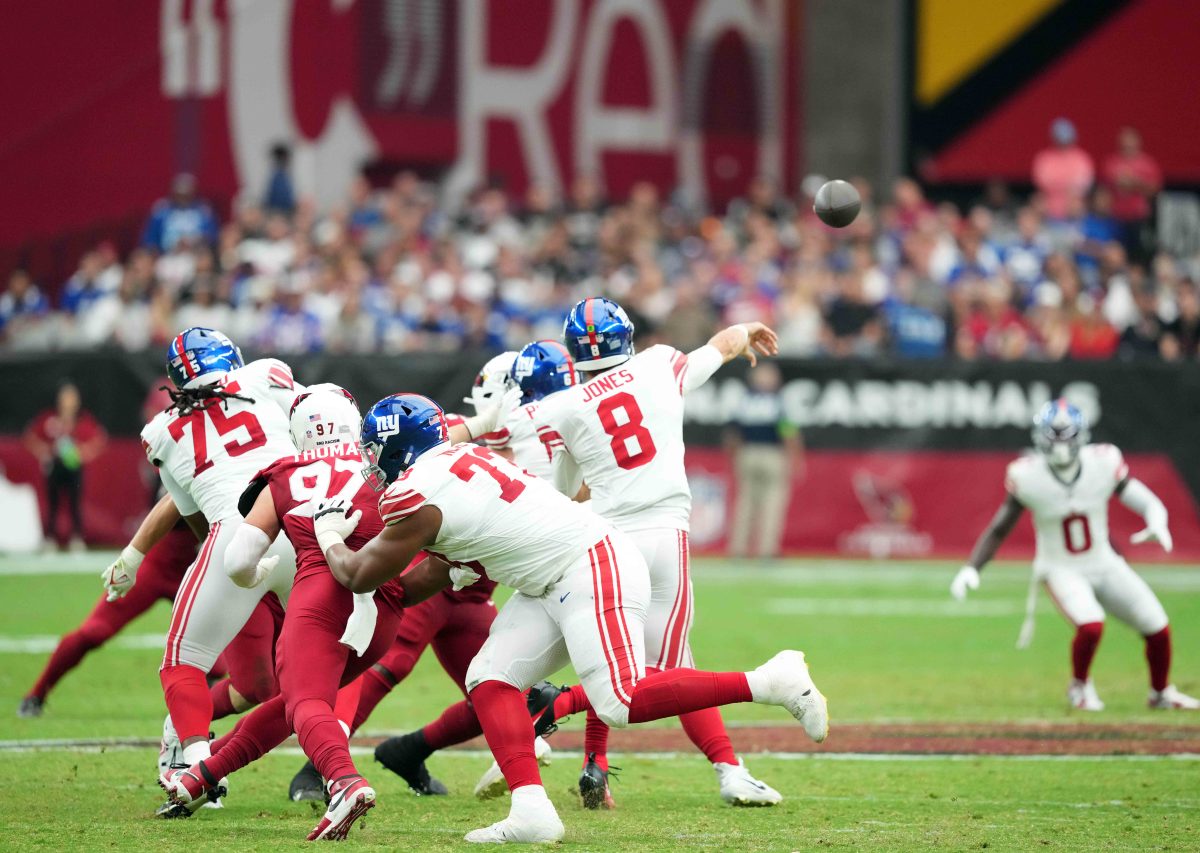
{"x":326,"y":539}
{"x":132,"y":558}
{"x":474,"y":425}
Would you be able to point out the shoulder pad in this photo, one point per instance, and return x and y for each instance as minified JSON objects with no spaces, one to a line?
{"x":152,"y":436}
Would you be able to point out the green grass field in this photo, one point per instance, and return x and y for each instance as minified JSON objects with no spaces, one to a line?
{"x":886,"y":644}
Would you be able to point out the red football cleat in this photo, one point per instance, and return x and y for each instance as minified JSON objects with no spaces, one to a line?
{"x":350,"y":797}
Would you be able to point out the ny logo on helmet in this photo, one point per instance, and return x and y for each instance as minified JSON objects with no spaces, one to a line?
{"x":388,"y":425}
{"x":525,"y":365}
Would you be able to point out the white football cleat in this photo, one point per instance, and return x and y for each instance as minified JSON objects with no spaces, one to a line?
{"x":491,"y":784}
{"x":350,"y":797}
{"x":170,"y":750}
{"x":1170,"y":698}
{"x":1083,"y":696}
{"x":531,"y":819}
{"x":784,"y":681}
{"x":739,"y":788}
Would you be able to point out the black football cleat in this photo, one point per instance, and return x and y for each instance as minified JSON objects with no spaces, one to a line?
{"x":308,"y":786}
{"x":540,"y":701}
{"x":31,"y":706}
{"x":593,"y":786}
{"x":405,"y":756}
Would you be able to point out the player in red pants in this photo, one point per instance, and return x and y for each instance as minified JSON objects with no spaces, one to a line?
{"x":313,"y":658}
{"x":161,"y":572}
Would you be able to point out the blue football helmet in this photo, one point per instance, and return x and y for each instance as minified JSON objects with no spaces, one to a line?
{"x":1059,"y":431}
{"x":199,"y":356}
{"x":598,"y":334}
{"x":397,"y":430}
{"x":541,"y":368}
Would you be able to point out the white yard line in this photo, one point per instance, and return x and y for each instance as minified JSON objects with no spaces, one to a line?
{"x":893,"y":607}
{"x":40,"y":644}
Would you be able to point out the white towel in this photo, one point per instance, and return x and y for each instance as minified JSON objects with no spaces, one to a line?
{"x":360,"y":627}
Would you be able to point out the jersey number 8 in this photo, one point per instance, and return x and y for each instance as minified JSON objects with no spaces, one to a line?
{"x":630,"y":427}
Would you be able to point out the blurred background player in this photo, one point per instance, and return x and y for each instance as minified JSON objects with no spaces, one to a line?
{"x":1067,"y":485}
{"x":768,"y":456}
{"x":581,"y":595}
{"x":161,"y":572}
{"x":621,"y":433}
{"x":64,"y":440}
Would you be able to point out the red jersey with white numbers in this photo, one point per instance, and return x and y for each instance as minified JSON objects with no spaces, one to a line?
{"x":624,"y":429}
{"x":314,"y":475}
{"x":496,"y":517}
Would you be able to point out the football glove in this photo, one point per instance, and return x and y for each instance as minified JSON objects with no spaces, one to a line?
{"x":360,"y":627}
{"x":1157,"y":531}
{"x":967,"y":578}
{"x":332,"y":523}
{"x":490,"y":419}
{"x":462,"y":577}
{"x":119,"y":577}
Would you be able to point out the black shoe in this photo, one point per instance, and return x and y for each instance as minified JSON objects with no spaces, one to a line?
{"x":171,"y":810}
{"x":307,"y":785}
{"x":405,"y":756}
{"x":593,"y":785}
{"x":31,"y":706}
{"x":540,"y":701}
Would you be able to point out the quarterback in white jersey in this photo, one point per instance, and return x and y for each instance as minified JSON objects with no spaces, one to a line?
{"x":227,"y":421}
{"x":1067,"y":486}
{"x":582,"y":593}
{"x":621,"y":432}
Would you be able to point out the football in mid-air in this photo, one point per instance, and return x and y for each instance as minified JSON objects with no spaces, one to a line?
{"x":837,"y":203}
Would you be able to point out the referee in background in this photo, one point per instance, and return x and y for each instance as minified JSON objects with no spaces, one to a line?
{"x":768,"y":453}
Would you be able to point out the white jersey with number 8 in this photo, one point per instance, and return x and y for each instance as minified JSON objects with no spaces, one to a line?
{"x":208,"y":457}
{"x":624,"y":429}
{"x":1070,"y":519}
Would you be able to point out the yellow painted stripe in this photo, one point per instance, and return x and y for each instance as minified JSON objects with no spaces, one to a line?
{"x":956,"y":37}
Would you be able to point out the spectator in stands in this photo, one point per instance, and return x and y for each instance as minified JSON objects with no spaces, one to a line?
{"x":1064,"y":172}
{"x":1134,"y":178}
{"x":854,"y":326}
{"x":85,"y":287}
{"x":65,"y":439}
{"x":21,"y":306}
{"x":1091,"y":335}
{"x":280,"y":195}
{"x":1143,"y":337}
{"x":181,"y":216}
{"x":290,"y":326}
{"x":768,"y":456}
{"x":1185,"y":328}
{"x":913,"y":330}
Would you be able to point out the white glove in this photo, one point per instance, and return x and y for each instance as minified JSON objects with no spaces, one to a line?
{"x":462,"y":577}
{"x":1155,"y":530}
{"x":332,"y":523}
{"x":360,"y":627}
{"x":489,"y":419}
{"x":967,"y":578}
{"x":262,"y":571}
{"x":120,"y":576}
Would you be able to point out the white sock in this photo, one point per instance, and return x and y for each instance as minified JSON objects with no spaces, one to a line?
{"x":529,"y":795}
{"x":757,"y":682}
{"x":198,"y":751}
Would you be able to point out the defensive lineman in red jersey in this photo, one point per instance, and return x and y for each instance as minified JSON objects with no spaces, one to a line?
{"x":621,"y":431}
{"x":312,"y":659}
{"x":581,"y":594}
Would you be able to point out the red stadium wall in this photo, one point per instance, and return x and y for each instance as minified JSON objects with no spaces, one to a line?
{"x":102,"y":108}
{"x":869,"y":504}
{"x":915,"y":504}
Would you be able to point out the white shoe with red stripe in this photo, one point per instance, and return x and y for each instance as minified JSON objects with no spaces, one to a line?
{"x":784,"y":681}
{"x":192,"y":787}
{"x":1083,"y":696}
{"x":350,"y":797}
{"x":1171,"y":698}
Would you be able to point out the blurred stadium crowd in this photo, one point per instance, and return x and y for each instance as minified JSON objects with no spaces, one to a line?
{"x":1069,"y":272}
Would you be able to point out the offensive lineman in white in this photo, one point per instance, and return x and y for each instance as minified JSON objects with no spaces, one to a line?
{"x":621,"y":433}
{"x":1067,"y":486}
{"x":227,"y":421}
{"x":581,"y":595}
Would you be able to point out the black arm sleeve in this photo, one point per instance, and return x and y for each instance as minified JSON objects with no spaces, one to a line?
{"x":1001,"y":525}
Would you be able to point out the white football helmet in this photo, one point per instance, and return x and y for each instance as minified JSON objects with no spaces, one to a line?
{"x":324,"y":416}
{"x":492,"y":381}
